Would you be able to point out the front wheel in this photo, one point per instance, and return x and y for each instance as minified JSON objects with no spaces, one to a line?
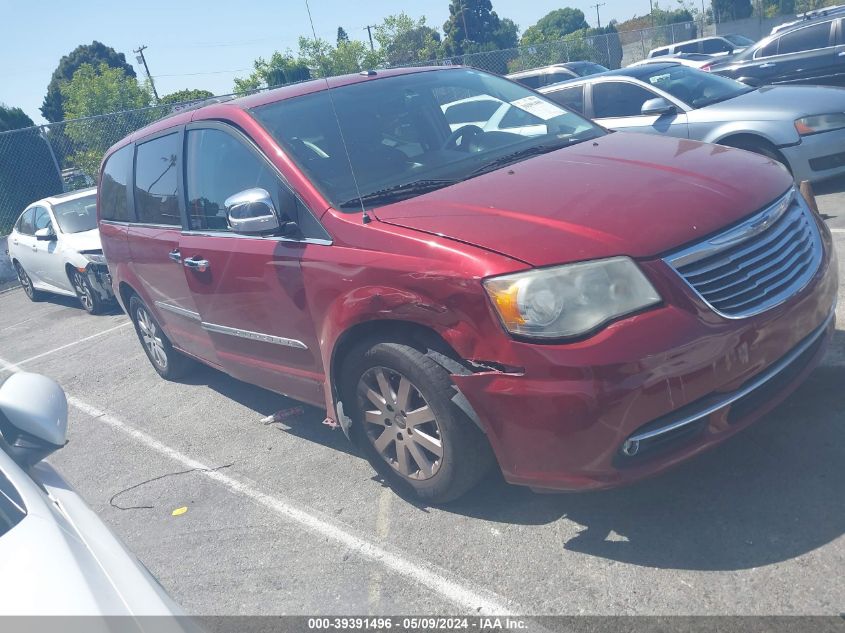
{"x":169,"y":363}
{"x":408,"y":426}
{"x":88,"y":297}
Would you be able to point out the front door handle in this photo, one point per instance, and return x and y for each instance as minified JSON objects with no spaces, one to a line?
{"x":767,"y":65}
{"x":842,"y":54}
{"x":175,"y":255}
{"x":199,"y":265}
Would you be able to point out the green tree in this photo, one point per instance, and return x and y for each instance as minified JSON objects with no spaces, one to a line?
{"x":732,"y":9}
{"x":280,"y":69}
{"x":474,"y":26}
{"x":94,"y":54}
{"x":326,"y":60}
{"x":403,"y":40}
{"x":342,"y":35}
{"x":181,"y":96}
{"x":103,"y":90}
{"x":555,"y":26}
{"x":13,"y":119}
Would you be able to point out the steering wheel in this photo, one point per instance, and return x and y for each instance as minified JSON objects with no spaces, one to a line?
{"x":460,"y":133}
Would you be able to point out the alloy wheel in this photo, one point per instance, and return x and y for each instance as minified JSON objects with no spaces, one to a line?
{"x":26,"y":282}
{"x":400,"y":424}
{"x":151,"y":338}
{"x":83,"y":291}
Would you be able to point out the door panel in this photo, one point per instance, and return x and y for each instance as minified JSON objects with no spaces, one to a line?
{"x":46,"y":262}
{"x":154,"y":245}
{"x":23,"y":241}
{"x":251,"y":295}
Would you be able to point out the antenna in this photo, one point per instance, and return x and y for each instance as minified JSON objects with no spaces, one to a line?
{"x":365,"y":218}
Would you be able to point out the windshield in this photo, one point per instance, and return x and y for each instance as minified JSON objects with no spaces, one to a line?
{"x":76,"y":216}
{"x":440,"y":127}
{"x":694,"y":87}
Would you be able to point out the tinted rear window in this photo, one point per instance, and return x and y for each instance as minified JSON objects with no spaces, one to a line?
{"x":806,"y":39}
{"x":113,"y":201}
{"x":156,"y":200}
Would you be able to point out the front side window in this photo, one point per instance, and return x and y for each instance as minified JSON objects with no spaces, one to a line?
{"x":443,"y":112}
{"x":715,"y":46}
{"x":156,"y":191}
{"x":531,"y":81}
{"x":76,"y":216}
{"x":619,"y":99}
{"x":572,"y":98}
{"x":558,"y":76}
{"x":692,"y":47}
{"x":41,"y":219}
{"x":24,"y":224}
{"x":113,"y":200}
{"x":219,"y":166}
{"x":806,"y":39}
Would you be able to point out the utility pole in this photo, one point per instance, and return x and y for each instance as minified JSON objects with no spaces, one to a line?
{"x":598,"y":15}
{"x":369,"y":29}
{"x":651,"y":12}
{"x":142,"y":60}
{"x":464,"y":18}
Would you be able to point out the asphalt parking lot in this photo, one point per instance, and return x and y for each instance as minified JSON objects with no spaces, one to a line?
{"x":293,"y":522}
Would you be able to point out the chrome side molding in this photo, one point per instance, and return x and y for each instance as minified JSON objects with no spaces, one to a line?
{"x":253,"y":336}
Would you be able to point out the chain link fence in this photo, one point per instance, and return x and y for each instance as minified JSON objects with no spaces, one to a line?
{"x":46,"y":160}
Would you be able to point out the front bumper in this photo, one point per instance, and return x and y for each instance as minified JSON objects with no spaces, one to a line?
{"x":817,"y":157}
{"x":101,"y":282}
{"x":565,"y":420}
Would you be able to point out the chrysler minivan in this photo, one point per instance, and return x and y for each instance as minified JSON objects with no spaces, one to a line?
{"x":583,"y":308}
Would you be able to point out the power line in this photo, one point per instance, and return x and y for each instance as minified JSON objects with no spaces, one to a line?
{"x":143,"y":60}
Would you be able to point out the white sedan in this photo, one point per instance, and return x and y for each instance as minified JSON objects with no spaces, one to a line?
{"x":55,"y":247}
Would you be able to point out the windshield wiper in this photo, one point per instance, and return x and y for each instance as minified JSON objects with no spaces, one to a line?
{"x":509,"y":159}
{"x":398,"y":192}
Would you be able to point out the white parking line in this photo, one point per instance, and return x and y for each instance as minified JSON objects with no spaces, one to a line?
{"x":460,"y":593}
{"x":63,"y":347}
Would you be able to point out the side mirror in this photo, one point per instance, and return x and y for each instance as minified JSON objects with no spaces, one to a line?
{"x":658,"y":106}
{"x":33,"y":417}
{"x":252,"y":212}
{"x":45,"y":235}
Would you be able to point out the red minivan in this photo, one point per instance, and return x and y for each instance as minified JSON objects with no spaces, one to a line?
{"x":461,"y":272}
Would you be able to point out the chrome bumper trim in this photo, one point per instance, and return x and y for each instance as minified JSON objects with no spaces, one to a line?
{"x":755,"y":383}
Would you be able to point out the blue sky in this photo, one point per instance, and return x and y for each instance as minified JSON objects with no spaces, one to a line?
{"x":205,"y":44}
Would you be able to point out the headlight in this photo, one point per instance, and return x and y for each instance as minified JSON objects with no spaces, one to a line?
{"x":821,"y":123}
{"x":94,"y":258}
{"x":570,"y":300}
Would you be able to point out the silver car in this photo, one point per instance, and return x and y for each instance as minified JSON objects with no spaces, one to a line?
{"x":802,"y":127}
{"x":56,"y":556}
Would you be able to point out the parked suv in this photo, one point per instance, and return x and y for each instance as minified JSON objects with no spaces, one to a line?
{"x":714,"y":45}
{"x":588,"y":308}
{"x":810,"y":52}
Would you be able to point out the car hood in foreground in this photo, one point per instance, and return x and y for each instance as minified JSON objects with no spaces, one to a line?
{"x":84,"y":241}
{"x":623,"y":194}
{"x":775,"y":103}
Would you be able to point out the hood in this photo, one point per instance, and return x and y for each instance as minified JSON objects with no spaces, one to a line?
{"x":623,"y":194}
{"x":84,"y":241}
{"x":777,"y":103}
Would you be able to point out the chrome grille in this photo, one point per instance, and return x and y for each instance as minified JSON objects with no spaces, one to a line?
{"x":756,"y":265}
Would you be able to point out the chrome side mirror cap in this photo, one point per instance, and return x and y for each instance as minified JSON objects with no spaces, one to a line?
{"x":252,"y":212}
{"x":45,"y":235}
{"x":658,"y":107}
{"x":33,"y":417}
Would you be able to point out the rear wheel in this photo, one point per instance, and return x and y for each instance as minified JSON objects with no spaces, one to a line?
{"x":169,"y":363}
{"x":26,"y":284}
{"x":88,"y":297}
{"x":408,"y":426}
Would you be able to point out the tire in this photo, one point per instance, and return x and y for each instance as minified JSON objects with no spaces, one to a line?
{"x":89,"y":298}
{"x":405,"y":452}
{"x":762,"y":147}
{"x":170,"y":364}
{"x":26,"y":284}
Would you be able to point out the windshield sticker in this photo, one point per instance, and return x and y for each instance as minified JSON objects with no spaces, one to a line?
{"x":538,"y":107}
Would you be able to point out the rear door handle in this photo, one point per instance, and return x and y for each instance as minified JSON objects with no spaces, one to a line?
{"x":175,"y":255}
{"x":842,"y":54}
{"x":199,"y":265}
